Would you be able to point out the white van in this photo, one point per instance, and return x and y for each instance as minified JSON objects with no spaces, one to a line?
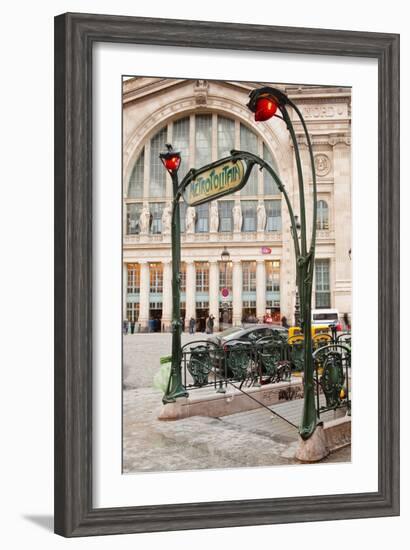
{"x":326,"y":317}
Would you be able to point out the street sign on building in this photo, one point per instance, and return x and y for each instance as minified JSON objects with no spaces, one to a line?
{"x":225,"y":294}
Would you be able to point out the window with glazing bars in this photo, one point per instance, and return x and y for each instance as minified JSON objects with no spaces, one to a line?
{"x":133,"y":310}
{"x":203,"y":140}
{"x":269,"y":184}
{"x":225,"y":216}
{"x":157,"y":183}
{"x":322,"y":215}
{"x":133,"y":218}
{"x":248,"y":215}
{"x":226,"y":136}
{"x":248,"y":276}
{"x":182,"y":273}
{"x":273,"y":215}
{"x":272,"y":276}
{"x":202,"y":277}
{"x":180,"y":142}
{"x":322,"y":283}
{"x":249,"y":142}
{"x":225,"y":275}
{"x":182,"y":216}
{"x":133,"y":285}
{"x":136,"y":181}
{"x":202,"y":218}
{"x":155,"y":278}
{"x":155,"y":209}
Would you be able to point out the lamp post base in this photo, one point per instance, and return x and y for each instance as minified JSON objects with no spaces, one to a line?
{"x":313,"y":449}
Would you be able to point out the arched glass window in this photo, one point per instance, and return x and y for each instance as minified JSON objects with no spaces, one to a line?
{"x":201,"y":138}
{"x":136,"y":181}
{"x":322,"y":215}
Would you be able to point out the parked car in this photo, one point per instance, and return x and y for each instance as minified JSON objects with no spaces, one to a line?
{"x":248,"y":334}
{"x":237,"y":356}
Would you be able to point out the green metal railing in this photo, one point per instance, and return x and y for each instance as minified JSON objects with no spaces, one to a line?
{"x":266,"y":361}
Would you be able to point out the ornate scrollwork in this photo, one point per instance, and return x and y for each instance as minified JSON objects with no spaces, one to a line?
{"x":199,"y":365}
{"x":333,"y":378}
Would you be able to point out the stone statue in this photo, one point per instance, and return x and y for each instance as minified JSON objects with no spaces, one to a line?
{"x":214,"y":215}
{"x":237,"y":217}
{"x":166,"y":219}
{"x":261,"y":216}
{"x":145,"y":218}
{"x":190,"y":219}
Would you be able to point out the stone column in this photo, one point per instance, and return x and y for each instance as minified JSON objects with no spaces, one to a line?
{"x":144,"y":297}
{"x":342,"y":227}
{"x":167,"y":296}
{"x":124,"y":289}
{"x":260,"y":289}
{"x":214,"y":292}
{"x":190,"y":305}
{"x":236,"y":293}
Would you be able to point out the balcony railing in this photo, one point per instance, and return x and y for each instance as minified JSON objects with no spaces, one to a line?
{"x":243,"y":236}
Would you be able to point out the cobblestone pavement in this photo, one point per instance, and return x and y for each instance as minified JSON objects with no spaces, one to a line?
{"x":253,"y":438}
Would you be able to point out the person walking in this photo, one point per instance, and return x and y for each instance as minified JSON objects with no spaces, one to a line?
{"x":211,"y":324}
{"x":284,"y":322}
{"x":191,"y":325}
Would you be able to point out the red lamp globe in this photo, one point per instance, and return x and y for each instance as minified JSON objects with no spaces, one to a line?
{"x":172,"y":163}
{"x":265,"y":109}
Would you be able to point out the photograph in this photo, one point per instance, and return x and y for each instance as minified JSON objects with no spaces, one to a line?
{"x":236,"y":274}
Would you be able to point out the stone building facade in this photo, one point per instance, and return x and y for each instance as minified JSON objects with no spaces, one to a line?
{"x":204,"y":120}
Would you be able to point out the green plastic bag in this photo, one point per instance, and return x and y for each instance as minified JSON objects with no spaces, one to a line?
{"x":161,"y":377}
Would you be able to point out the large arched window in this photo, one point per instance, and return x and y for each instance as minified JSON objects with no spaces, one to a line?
{"x":322,"y":215}
{"x":200,"y":138}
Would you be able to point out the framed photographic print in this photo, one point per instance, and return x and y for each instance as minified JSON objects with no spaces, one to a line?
{"x":226,"y":274}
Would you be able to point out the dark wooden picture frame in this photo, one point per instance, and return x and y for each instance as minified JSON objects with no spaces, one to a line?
{"x":75,"y":35}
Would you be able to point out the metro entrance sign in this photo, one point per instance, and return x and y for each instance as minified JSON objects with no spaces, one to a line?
{"x":223,"y":177}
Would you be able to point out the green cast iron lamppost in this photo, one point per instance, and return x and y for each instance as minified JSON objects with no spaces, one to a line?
{"x":265,"y":103}
{"x":171,"y":160}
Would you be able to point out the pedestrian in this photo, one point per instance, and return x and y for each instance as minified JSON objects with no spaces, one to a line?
{"x":125,"y":326}
{"x":191,"y":325}
{"x":211,"y":324}
{"x":208,"y":325}
{"x":132,"y":327}
{"x":183,"y":324}
{"x":285,"y":323}
{"x":346,"y":321}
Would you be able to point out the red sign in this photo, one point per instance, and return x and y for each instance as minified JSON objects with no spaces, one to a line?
{"x":225,"y":292}
{"x":266,"y":250}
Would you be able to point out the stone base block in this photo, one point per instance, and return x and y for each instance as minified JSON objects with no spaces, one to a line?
{"x":313,"y":449}
{"x":215,"y":405}
{"x":327,"y":437}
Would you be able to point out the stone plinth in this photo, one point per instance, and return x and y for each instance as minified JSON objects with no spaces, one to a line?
{"x":326,"y":438}
{"x":215,"y":405}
